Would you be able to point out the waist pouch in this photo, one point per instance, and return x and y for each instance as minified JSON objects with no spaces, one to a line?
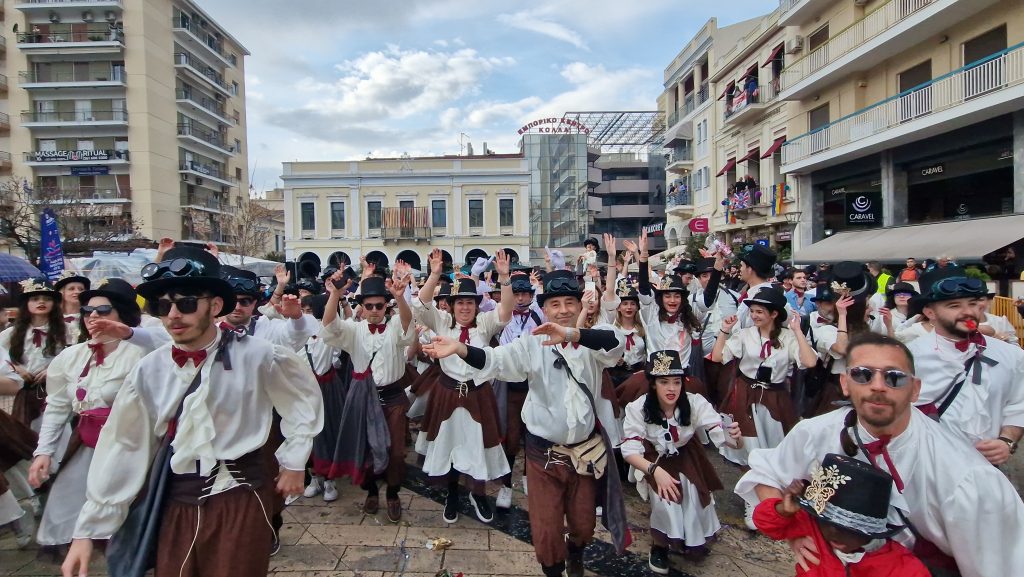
{"x":90,"y":423}
{"x":589,"y":458}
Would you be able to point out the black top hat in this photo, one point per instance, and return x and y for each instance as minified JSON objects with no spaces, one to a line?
{"x":372,"y":286}
{"x":68,"y":277}
{"x":850,"y":277}
{"x":291,"y":289}
{"x":851,"y":495}
{"x":244,"y":282}
{"x":824,"y":293}
{"x":465,"y":288}
{"x":665,"y":364}
{"x":186,"y":267}
{"x":327,"y":272}
{"x":899,"y":287}
{"x":444,"y":291}
{"x":687,"y":266}
{"x":948,"y":283}
{"x":626,"y":291}
{"x":521,"y":284}
{"x":520,"y":267}
{"x":308,"y":284}
{"x":37,"y":286}
{"x":671,"y":283}
{"x":760,"y":258}
{"x":705,"y":265}
{"x":115,"y":289}
{"x":771,"y":298}
{"x":592,"y":241}
{"x":559,"y":283}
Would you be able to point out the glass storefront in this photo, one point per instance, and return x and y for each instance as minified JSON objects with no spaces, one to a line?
{"x":966,"y":184}
{"x":835,"y":200}
{"x":558,"y":189}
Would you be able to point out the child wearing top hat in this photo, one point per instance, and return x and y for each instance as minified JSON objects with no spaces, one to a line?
{"x":844,"y":510}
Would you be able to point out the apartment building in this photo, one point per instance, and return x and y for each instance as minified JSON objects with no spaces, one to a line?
{"x":629,"y":197}
{"x":135,"y":106}
{"x":690,"y":121}
{"x":272,"y":201}
{"x":400,"y":208}
{"x":908,"y":138}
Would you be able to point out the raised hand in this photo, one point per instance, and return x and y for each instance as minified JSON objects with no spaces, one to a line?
{"x":290,"y":307}
{"x":282,"y":275}
{"x":843,"y":304}
{"x":213,"y":249}
{"x":502,"y":263}
{"x":643,"y":242}
{"x":556,"y":333}
{"x":793,"y":322}
{"x":436,"y":262}
{"x":728,"y":323}
{"x":368,"y":268}
{"x":631,"y":246}
{"x":609,"y":246}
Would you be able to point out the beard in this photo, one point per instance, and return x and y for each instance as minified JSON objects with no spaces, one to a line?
{"x":950,"y":326}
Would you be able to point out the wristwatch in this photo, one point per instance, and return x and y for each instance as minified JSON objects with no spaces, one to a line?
{"x":1010,"y":442}
{"x":506,"y":282}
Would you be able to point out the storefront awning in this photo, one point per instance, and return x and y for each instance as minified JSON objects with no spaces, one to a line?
{"x":728,"y":89}
{"x":750,"y":71}
{"x":728,"y":166}
{"x":752,"y":155}
{"x":774,"y":147}
{"x":964,"y":240}
{"x":775,"y":54}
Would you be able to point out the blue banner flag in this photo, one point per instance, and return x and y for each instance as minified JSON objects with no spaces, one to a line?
{"x":51,"y":253}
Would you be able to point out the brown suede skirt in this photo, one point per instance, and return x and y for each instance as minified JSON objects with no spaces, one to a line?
{"x":692,"y":463}
{"x":744,"y":394}
{"x":446,"y":395}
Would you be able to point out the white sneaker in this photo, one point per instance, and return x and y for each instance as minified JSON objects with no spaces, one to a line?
{"x":525,"y":492}
{"x":748,"y":516}
{"x":504,"y":500}
{"x":315,"y":487}
{"x":330,"y":491}
{"x":24,"y":530}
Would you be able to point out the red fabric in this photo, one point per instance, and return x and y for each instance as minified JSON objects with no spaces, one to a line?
{"x":671,"y":319}
{"x":464,"y":335}
{"x":520,"y":313}
{"x":909,"y":274}
{"x":180,"y":356}
{"x":98,"y":354}
{"x":892,"y":560}
{"x":376,"y":328}
{"x":743,"y":296}
{"x":69,"y":318}
{"x":766,"y":349}
{"x":90,"y":423}
{"x":876,"y":448}
{"x":574,"y":345}
{"x":976,"y":338}
{"x":630,"y":342}
{"x":37,"y":337}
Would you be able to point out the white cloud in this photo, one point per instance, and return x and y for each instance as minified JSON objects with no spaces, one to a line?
{"x":536,"y":21}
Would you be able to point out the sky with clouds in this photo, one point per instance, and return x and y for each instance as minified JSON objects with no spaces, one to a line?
{"x":347,"y":79}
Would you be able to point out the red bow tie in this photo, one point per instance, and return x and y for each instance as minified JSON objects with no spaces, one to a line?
{"x":879,"y":447}
{"x":743,"y":296}
{"x":37,"y":337}
{"x":182,"y":356}
{"x":69,"y":318}
{"x":98,"y":354}
{"x":464,"y":335}
{"x":525,"y":313}
{"x":671,"y":319}
{"x":630,"y":342}
{"x":230,"y":327}
{"x":823,"y":321}
{"x":766,"y":349}
{"x":574,"y":345}
{"x":976,"y":338}
{"x":376,"y":328}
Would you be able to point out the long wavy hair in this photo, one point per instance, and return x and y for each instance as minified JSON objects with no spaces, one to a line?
{"x":638,"y":325}
{"x":56,"y":331}
{"x":685,"y":312}
{"x":652,"y":408}
{"x":776,"y":331}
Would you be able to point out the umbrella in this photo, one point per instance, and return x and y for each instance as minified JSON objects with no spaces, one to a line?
{"x":15,"y":269}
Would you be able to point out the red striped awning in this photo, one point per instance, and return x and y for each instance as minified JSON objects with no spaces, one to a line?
{"x":775,"y":54}
{"x":750,"y":71}
{"x":774,"y":147}
{"x":728,"y":89}
{"x":752,"y":155}
{"x":728,"y":166}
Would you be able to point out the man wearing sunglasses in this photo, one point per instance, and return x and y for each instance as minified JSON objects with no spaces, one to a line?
{"x":969,"y":382}
{"x":961,"y":515}
{"x":285,"y":326}
{"x":213,"y":391}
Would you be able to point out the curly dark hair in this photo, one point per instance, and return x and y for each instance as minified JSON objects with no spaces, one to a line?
{"x":56,"y":331}
{"x":685,"y":312}
{"x":130,"y":314}
{"x":652,"y":408}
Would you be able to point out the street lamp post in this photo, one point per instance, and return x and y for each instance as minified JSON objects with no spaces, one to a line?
{"x":793,"y":219}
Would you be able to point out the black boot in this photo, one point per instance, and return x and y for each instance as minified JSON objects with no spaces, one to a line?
{"x":555,"y":570}
{"x":574,"y":562}
{"x":451,"y":506}
{"x":659,"y":560}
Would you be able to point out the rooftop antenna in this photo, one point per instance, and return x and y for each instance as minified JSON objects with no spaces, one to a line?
{"x":462,"y":138}
{"x":406,"y":164}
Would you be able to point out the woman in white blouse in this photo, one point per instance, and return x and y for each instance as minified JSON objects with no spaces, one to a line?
{"x":669,"y":465}
{"x":82,"y":382}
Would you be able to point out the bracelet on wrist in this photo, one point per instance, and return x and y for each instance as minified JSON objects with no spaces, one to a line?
{"x":840,"y":331}
{"x":651,"y":468}
{"x":726,"y":333}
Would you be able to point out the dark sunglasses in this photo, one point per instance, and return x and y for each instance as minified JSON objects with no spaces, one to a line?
{"x":893,"y":378}
{"x":170,"y":269}
{"x":375,"y":306}
{"x":102,"y":310}
{"x":959,"y":285}
{"x":185,"y":305}
{"x":244,"y":301}
{"x":908,"y":295}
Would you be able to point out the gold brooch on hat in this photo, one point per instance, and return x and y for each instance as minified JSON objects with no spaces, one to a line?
{"x":662,"y":364}
{"x":666,"y":283}
{"x":824,"y":482}
{"x":840,"y":288}
{"x":623,"y":289}
{"x":30,"y":285}
{"x":102,"y":282}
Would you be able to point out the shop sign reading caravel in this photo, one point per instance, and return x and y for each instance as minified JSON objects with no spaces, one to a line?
{"x":560,"y":126}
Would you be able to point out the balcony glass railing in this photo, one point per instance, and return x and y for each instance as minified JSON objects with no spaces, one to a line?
{"x":203,"y":102}
{"x":209,"y":202}
{"x":206,"y":136}
{"x":5,"y":121}
{"x":673,"y":118}
{"x":33,"y":77}
{"x":202,"y":69}
{"x":86,"y":192}
{"x":678,"y":198}
{"x":193,"y":27}
{"x":680,"y":154}
{"x":989,"y":75}
{"x":76,"y":116}
{"x":851,"y":38}
{"x":98,"y":35}
{"x":211,"y":170}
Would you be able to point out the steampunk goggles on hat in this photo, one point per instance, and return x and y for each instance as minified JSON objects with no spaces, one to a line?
{"x":179,"y":267}
{"x":955,"y":286}
{"x":242,"y":284}
{"x":562,"y":284}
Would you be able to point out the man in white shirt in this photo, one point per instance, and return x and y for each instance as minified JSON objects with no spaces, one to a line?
{"x":214,"y":393}
{"x":969,"y":382}
{"x":756,"y":267}
{"x":712,"y":303}
{"x":961,"y":515}
{"x":287,"y":327}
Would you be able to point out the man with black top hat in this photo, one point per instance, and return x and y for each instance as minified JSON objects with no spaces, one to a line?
{"x":371,"y":435}
{"x":570,"y":427}
{"x":755,"y":269}
{"x":712,"y":303}
{"x":293,"y":330}
{"x":213,"y":392}
{"x":962,"y":516}
{"x":969,"y":382}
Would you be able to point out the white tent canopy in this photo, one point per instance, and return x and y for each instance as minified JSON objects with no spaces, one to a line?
{"x":128,"y":265}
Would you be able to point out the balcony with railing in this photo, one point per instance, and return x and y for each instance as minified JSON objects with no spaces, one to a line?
{"x":91,"y":39}
{"x":51,"y":4}
{"x":796,"y":12}
{"x":206,"y":170}
{"x":76,"y":157}
{"x":750,"y":103}
{"x":981,"y":90}
{"x":194,"y":35}
{"x":405,"y":223}
{"x":45,"y":78}
{"x":202,"y":71}
{"x":211,"y":107}
{"x":209,"y":138}
{"x":205,"y":203}
{"x":93,"y":194}
{"x":679,"y":202}
{"x":680,"y":158}
{"x":5,"y":122}
{"x":893,"y":27}
{"x":74,"y":118}
{"x":5,"y":160}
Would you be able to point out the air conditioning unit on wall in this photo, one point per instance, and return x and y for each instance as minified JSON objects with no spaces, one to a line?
{"x":794,"y":45}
